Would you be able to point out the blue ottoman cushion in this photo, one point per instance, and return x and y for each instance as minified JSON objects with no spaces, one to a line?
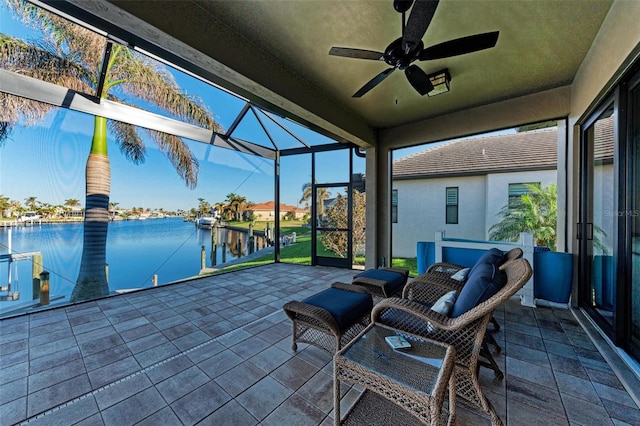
{"x":394,"y":280}
{"x":345,"y":306}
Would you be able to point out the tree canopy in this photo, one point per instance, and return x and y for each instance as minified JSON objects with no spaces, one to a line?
{"x":535,"y":212}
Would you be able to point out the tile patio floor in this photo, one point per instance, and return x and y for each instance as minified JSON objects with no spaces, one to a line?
{"x":217,"y":351}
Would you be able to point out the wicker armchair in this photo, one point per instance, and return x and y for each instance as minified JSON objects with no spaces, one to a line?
{"x":466,"y":332}
{"x":440,"y":273}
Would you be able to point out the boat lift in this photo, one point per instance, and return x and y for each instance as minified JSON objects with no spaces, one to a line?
{"x":10,"y":291}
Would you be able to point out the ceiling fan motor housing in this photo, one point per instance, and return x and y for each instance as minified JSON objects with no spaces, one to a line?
{"x":395,"y":56}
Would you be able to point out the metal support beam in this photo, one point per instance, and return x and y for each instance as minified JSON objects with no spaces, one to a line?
{"x":31,"y":88}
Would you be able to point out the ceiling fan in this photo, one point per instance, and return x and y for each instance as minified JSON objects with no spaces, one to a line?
{"x":402,"y":52}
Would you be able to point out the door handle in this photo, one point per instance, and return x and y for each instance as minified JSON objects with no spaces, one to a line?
{"x":585,"y":231}
{"x":589,"y":231}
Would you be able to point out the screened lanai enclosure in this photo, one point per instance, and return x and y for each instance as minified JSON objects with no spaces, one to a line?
{"x":112,"y":157}
{"x":243,"y":113}
{"x":240,"y":155}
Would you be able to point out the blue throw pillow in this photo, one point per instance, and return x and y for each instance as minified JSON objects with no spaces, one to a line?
{"x":484,"y":281}
{"x":493,"y":256}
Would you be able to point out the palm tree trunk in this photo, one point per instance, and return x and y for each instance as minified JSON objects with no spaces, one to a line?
{"x":92,"y":279}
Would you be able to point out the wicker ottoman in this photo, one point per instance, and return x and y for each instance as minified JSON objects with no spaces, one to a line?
{"x":331,"y":318}
{"x":383,"y":282}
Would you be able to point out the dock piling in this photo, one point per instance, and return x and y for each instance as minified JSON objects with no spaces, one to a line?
{"x":36,"y":270}
{"x":44,"y":288}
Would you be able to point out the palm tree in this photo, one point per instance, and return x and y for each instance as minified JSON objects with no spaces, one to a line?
{"x":203,"y":207}
{"x":31,"y":202}
{"x":72,"y":202}
{"x":535,"y":212}
{"x":14,"y":208}
{"x":323,"y":194}
{"x":237,"y":204}
{"x":69,"y":205}
{"x":220,"y":207}
{"x":74,"y":61}
{"x":4,"y":205}
{"x":113,"y":207}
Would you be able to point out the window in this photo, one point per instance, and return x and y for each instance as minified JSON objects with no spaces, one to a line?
{"x":394,"y":206}
{"x":452,"y":205}
{"x":517,"y":190}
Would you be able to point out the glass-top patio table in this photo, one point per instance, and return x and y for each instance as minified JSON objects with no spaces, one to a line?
{"x":414,"y":378}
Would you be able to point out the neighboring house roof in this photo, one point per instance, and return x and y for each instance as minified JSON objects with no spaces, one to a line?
{"x":533,"y":150}
{"x":271,"y":206}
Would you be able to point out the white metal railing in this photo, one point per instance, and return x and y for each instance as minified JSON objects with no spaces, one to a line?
{"x":9,"y":291}
{"x":525,"y":243}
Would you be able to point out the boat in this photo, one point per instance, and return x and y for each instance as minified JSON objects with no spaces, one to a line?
{"x":205,"y":222}
{"x":29,"y":217}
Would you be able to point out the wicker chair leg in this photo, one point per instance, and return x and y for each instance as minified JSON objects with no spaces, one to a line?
{"x":496,"y":324}
{"x":490,"y":362}
{"x":294,"y":337}
{"x":492,"y":341}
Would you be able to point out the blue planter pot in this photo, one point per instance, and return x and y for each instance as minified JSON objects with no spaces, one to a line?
{"x":553,"y":276}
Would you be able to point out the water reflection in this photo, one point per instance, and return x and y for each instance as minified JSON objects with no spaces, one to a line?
{"x":170,"y":249}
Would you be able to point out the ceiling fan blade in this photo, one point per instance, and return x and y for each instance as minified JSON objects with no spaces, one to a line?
{"x":356,"y":53}
{"x":460,"y":46}
{"x":421,"y":15}
{"x":373,"y":82}
{"x":418,"y":79}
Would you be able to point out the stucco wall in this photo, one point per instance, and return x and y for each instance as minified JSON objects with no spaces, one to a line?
{"x":421,"y":211}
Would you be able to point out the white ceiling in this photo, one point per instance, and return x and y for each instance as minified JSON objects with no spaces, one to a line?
{"x":275,"y":52}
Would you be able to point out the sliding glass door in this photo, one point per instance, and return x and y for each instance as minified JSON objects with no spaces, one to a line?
{"x":609,"y":226}
{"x":634,"y":213}
{"x":598,"y":220}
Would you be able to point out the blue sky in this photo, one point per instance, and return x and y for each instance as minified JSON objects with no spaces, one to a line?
{"x":47,"y":160}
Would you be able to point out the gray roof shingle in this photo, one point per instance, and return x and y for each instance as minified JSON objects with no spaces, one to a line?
{"x":534,"y":150}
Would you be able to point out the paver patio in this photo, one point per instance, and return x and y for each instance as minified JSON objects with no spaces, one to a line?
{"x":218,"y":351}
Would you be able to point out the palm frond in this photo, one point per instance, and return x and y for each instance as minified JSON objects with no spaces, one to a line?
{"x":534,"y":212}
{"x":37,"y":62}
{"x":131,"y":145}
{"x":154,"y":84}
{"x":68,"y":37}
{"x":5,"y":130}
{"x":180,"y":156}
{"x":15,"y":110}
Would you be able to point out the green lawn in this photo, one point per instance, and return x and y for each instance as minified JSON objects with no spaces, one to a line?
{"x":286,"y":226}
{"x":300,"y":252}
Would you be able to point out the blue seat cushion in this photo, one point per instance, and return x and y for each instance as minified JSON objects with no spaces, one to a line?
{"x":345,"y":306}
{"x":394,"y":280}
{"x":484,"y":281}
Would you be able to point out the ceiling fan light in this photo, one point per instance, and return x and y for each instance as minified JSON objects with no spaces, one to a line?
{"x":441,"y":82}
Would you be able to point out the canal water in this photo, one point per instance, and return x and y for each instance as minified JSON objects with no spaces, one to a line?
{"x":136,"y":251}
